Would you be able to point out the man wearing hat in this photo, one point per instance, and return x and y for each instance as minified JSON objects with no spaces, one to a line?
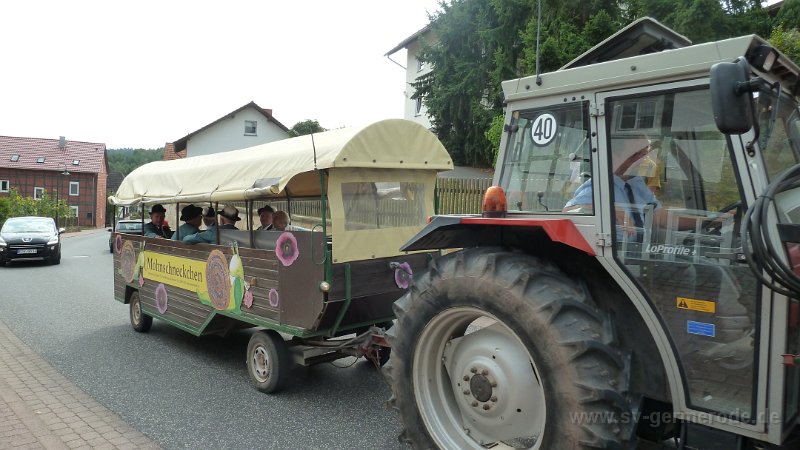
{"x":192,"y":216}
{"x":228,"y":218}
{"x":156,"y":227}
{"x":265,"y":215}
{"x":209,"y":216}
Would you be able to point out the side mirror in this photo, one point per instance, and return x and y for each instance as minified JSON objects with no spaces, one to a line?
{"x":731,"y":101}
{"x":109,"y":230}
{"x":61,"y":230}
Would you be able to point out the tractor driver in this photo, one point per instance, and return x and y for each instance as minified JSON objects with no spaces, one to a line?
{"x":631,"y":191}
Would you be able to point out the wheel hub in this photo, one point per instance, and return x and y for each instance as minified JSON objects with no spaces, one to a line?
{"x":481,"y":387}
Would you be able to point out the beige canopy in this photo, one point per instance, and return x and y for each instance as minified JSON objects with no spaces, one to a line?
{"x":289,"y":164}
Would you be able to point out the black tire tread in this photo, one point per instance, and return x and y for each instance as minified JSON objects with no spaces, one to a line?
{"x":584,"y":332}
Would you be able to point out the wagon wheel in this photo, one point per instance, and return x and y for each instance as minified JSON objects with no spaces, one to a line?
{"x":268,"y":362}
{"x":140,"y":321}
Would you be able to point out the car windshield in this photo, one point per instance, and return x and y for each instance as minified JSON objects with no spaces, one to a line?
{"x":129,"y":226}
{"x":28,"y":226}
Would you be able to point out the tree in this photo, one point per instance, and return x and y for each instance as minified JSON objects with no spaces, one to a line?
{"x":787,"y":41}
{"x":306,"y":127}
{"x":126,"y":160}
{"x":788,"y":16}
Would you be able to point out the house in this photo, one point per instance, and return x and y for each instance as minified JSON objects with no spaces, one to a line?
{"x":415,"y":68}
{"x":245,"y":127}
{"x":75,"y":171}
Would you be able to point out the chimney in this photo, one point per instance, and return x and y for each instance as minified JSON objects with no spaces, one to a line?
{"x":62,"y":142}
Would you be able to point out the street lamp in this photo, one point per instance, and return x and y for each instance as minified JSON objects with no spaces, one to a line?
{"x":66,"y":174}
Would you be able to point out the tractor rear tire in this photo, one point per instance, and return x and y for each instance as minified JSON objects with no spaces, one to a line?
{"x":502,"y":350}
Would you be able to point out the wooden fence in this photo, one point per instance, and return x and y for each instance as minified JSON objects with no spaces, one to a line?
{"x":461,"y":195}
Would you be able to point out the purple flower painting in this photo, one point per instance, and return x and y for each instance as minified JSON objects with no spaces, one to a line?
{"x":141,"y":279}
{"x":161,"y":298}
{"x":402,"y":275}
{"x":248,"y":299}
{"x":274,"y":299}
{"x":118,"y":243}
{"x":286,"y":249}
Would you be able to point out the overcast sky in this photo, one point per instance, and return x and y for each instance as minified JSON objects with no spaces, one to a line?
{"x":142,"y":73}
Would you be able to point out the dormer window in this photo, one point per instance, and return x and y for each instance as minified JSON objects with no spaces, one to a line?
{"x":14,"y":158}
{"x":76,"y":162}
{"x":40,"y":160}
{"x":250,"y":127}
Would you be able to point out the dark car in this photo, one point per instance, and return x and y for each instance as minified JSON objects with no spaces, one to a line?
{"x":126,"y":227}
{"x":30,"y":238}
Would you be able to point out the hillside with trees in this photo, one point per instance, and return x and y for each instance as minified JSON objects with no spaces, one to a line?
{"x":483,"y":42}
{"x":124,"y":160}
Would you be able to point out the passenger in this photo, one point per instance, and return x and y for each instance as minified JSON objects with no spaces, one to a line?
{"x":280,"y":222}
{"x":209,"y":216}
{"x":265,"y":215}
{"x":156,"y":228}
{"x":228,"y":218}
{"x":192,"y":215}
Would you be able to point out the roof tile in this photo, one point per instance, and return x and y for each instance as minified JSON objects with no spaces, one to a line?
{"x":90,"y":154}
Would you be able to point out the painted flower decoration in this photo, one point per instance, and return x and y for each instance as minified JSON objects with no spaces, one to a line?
{"x":118,"y":243}
{"x":141,"y":280}
{"x":274,"y":299}
{"x":161,"y":298}
{"x":248,"y":299}
{"x":402,"y":275}
{"x":286,"y":249}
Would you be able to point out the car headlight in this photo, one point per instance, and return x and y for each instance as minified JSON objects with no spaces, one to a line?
{"x":53,"y":240}
{"x":2,"y":242}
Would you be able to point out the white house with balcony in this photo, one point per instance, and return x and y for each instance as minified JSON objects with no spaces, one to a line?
{"x":414,"y":108}
{"x":245,"y":127}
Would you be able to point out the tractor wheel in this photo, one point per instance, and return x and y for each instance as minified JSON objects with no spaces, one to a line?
{"x":493,"y":349}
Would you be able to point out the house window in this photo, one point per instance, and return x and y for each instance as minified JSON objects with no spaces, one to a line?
{"x":74,"y":210}
{"x":14,"y":158}
{"x":637,"y":116}
{"x":73,"y":187}
{"x":420,"y":65}
{"x":250,"y":127}
{"x":76,"y":162}
{"x":40,"y":160}
{"x":418,"y":107}
{"x":4,"y":186}
{"x":38,"y":192}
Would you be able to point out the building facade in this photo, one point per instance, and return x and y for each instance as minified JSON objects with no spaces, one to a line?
{"x":414,"y":109}
{"x":245,"y":127}
{"x":75,"y":172}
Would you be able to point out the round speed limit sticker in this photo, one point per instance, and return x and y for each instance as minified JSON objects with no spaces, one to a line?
{"x":544,"y":129}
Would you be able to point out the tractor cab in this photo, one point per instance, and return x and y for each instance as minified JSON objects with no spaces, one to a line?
{"x":665,"y":187}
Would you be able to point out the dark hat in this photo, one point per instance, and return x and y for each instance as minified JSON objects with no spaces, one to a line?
{"x":157,"y":208}
{"x":230,"y":212}
{"x":209,"y":212}
{"x":190,"y":212}
{"x":266,"y":208}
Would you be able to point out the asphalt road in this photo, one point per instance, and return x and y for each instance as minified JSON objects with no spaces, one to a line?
{"x":183,"y":391}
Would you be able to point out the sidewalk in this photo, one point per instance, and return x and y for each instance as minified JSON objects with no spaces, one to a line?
{"x":41,"y":409}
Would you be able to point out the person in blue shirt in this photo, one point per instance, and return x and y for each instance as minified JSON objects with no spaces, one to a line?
{"x":632,"y":196}
{"x":227,"y":218}
{"x":192,"y":216}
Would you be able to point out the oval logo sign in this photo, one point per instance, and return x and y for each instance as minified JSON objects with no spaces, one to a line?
{"x":544,"y":129}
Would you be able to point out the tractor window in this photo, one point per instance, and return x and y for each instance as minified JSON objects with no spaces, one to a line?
{"x":547,"y":159}
{"x":677,"y":208}
{"x":780,"y":133}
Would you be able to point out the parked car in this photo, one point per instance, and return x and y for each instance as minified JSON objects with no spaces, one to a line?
{"x":126,"y":227}
{"x":30,"y":238}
